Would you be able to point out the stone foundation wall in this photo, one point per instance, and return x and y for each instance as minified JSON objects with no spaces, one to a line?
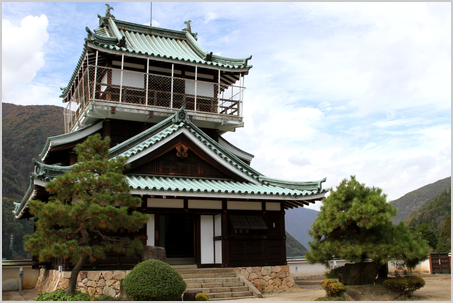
{"x":94,"y":283}
{"x":269,"y":278}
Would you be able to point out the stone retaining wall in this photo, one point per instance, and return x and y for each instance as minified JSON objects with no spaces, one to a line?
{"x":94,"y":283}
{"x":269,"y":278}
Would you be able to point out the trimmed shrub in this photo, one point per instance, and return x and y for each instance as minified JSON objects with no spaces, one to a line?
{"x":334,"y":273}
{"x":332,"y":287}
{"x":201,"y":297}
{"x":405,"y":286}
{"x":154,"y":280}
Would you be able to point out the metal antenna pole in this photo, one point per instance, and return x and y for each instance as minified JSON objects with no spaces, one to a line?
{"x":151,"y":16}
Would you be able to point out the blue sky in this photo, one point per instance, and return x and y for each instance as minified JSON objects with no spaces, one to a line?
{"x":336,"y":89}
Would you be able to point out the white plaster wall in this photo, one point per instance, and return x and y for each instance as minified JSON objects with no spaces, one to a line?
{"x":244,"y":205}
{"x":10,"y":277}
{"x":206,"y":237}
{"x":218,"y":243}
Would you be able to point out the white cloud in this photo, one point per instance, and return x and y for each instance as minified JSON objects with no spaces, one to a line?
{"x":22,"y":54}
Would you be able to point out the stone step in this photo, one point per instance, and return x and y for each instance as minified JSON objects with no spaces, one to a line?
{"x":229,"y":295}
{"x":220,"y":289}
{"x":212,"y":280}
{"x":209,"y":284}
{"x":207,"y":275}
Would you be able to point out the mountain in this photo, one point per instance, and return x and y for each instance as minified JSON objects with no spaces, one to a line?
{"x":413,"y":200}
{"x":298,"y":222}
{"x":24,"y":132}
{"x":293,"y":247}
{"x":433,"y":212}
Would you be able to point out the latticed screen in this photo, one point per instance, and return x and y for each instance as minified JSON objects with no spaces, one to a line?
{"x":137,"y":88}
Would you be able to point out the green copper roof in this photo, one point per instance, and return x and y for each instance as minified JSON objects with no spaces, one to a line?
{"x":157,"y":42}
{"x":212,"y":186}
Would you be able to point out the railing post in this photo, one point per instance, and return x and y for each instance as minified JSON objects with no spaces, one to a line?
{"x":82,"y":101}
{"x":121,"y":78}
{"x":172,"y":79}
{"x":196,"y":84}
{"x":95,"y":74}
{"x":147,"y":79}
{"x":218,"y":95}
{"x":88,"y":76}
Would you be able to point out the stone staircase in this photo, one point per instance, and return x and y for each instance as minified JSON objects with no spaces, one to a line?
{"x":217,"y":283}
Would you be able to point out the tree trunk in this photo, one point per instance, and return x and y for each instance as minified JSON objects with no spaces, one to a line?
{"x":74,"y":274}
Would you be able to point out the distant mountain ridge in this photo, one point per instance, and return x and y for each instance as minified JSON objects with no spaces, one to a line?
{"x":433,"y":212}
{"x":293,"y":247}
{"x":415,"y":199}
{"x":298,"y":222}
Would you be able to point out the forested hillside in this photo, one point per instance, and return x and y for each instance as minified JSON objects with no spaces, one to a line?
{"x":433,"y":212}
{"x":413,"y":200}
{"x":24,"y":132}
{"x":293,"y":247}
{"x":298,"y":222}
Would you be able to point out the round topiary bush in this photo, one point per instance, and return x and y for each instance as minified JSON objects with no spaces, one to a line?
{"x":154,"y":280}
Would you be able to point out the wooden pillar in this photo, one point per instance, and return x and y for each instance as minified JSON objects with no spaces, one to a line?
{"x":225,"y":254}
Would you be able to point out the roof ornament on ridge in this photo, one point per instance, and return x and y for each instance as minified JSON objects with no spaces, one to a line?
{"x":107,"y":12}
{"x":180,"y":116}
{"x":189,"y":29}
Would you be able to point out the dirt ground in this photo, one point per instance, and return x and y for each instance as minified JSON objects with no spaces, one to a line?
{"x":437,"y":288}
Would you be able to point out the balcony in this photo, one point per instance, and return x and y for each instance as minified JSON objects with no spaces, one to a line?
{"x":101,"y":92}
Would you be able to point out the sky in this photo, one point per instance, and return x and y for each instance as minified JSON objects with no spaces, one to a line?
{"x":336,"y":89}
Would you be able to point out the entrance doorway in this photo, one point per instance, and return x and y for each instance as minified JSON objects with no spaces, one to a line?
{"x":177,"y":237}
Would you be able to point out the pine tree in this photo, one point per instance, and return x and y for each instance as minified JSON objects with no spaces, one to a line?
{"x":86,"y":207}
{"x":355,"y":223}
{"x":444,"y":244}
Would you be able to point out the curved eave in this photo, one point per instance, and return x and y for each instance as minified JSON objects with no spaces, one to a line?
{"x":68,"y":138}
{"x":20,"y":207}
{"x":298,"y":185}
{"x":235,"y":150}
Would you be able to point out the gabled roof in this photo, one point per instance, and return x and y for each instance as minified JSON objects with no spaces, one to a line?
{"x":249,"y":184}
{"x":153,"y":42}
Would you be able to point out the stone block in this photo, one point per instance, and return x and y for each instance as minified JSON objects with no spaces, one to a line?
{"x":269,"y":288}
{"x":85,"y":281}
{"x":66,"y":274}
{"x":284,"y":287}
{"x":271,"y":282}
{"x":154,"y":252}
{"x":245,"y":273}
{"x":119,"y":275}
{"x":107,"y":275}
{"x":93,"y":275}
{"x":266,"y":271}
{"x":91,"y":291}
{"x":109,"y":282}
{"x":83,"y":290}
{"x":277,"y":282}
{"x":79,"y":278}
{"x":101,"y":283}
{"x":83,"y":274}
{"x":64,"y":283}
{"x":289,"y":281}
{"x":276,"y":269}
{"x":91,"y":284}
{"x":109,"y":291}
{"x":281,"y":274}
{"x":116,"y":285}
{"x":253,"y":276}
{"x":99,"y":290}
{"x":285,"y":267}
{"x":273,"y":275}
{"x":266,"y":278}
{"x":256,"y":269}
{"x":261,"y":282}
{"x":81,"y":285}
{"x":249,"y":269}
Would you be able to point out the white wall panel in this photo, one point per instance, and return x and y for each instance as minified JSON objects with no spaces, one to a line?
{"x":205,"y":204}
{"x":273,"y":206}
{"x":244,"y":205}
{"x":165,"y":203}
{"x":218,"y":243}
{"x":206,"y":239}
